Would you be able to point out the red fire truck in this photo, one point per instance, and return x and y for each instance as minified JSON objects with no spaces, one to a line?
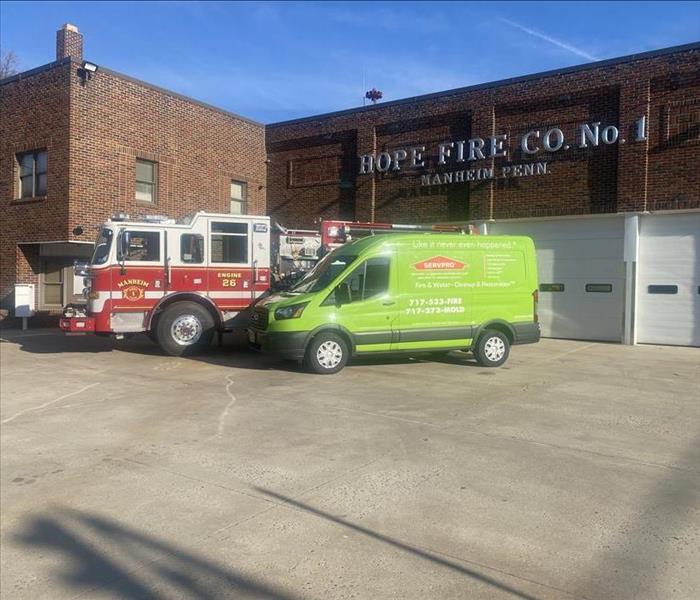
{"x":177,"y":281}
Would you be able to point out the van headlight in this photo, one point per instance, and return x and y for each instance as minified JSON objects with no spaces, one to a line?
{"x":290,"y":312}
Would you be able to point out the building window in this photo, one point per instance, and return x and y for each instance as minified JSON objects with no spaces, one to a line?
{"x":52,"y":284}
{"x":32,"y":173}
{"x":146,"y":181}
{"x":239,"y":202}
{"x":229,"y":242}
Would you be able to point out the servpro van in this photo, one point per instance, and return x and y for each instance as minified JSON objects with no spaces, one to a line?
{"x":431,"y":292}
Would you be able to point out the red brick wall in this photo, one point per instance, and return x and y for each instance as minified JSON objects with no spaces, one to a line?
{"x":69,"y":42}
{"x":94,"y":131}
{"x":658,"y":174}
{"x":34,"y":114}
{"x":199,"y":151}
{"x":674,"y":153}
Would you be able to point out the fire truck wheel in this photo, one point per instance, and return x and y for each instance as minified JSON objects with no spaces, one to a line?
{"x":326,"y":354}
{"x":184,"y":328}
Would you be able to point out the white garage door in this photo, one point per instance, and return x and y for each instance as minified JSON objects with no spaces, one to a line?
{"x":668,"y":280}
{"x":581,"y":273}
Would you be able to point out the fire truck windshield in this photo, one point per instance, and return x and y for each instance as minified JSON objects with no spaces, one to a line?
{"x":102,"y":246}
{"x":325,"y":271}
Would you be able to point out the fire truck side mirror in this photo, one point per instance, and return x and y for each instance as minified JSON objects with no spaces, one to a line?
{"x":123,"y":249}
{"x":81,"y":268}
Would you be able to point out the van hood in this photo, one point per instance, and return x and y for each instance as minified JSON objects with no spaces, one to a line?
{"x":284,"y":299}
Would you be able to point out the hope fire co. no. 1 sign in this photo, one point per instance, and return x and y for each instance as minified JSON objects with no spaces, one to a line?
{"x":534,"y":143}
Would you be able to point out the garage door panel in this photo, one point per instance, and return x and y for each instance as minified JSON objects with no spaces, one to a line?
{"x":593,"y":271}
{"x":563,"y":229}
{"x":669,"y":255}
{"x":569,"y":327}
{"x":591,"y":248}
{"x":575,"y":252}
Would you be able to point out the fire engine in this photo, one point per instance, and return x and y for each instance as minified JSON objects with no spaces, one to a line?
{"x":182,"y":281}
{"x":178,"y":281}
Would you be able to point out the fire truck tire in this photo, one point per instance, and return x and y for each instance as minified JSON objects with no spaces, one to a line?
{"x":327,"y":353}
{"x":184,"y":328}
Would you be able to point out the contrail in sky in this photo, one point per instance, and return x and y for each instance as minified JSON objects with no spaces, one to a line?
{"x":551,"y":40}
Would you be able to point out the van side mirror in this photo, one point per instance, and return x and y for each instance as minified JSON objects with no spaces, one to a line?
{"x":342,"y":294}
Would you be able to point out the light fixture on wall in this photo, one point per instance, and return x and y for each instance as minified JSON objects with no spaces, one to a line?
{"x":87,"y":70}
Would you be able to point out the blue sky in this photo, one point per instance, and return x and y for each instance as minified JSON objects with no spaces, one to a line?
{"x":277,"y":61}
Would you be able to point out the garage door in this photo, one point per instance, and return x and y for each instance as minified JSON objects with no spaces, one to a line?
{"x":668,"y":280}
{"x":581,"y":273}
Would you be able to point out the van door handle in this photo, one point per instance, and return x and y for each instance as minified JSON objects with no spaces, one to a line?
{"x":388,"y":302}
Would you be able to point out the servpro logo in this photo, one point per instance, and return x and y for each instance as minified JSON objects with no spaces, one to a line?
{"x":439,"y":263}
{"x":133,"y":289}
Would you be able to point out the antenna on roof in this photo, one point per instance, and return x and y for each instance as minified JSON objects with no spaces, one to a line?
{"x":374,"y":95}
{"x":363,"y":86}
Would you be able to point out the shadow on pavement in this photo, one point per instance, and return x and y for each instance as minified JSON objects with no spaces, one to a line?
{"x":233,"y":352}
{"x":665,"y":517}
{"x":103,"y":556}
{"x":434,"y":558}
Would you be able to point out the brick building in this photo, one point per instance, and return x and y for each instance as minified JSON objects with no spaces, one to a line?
{"x":77,"y":147}
{"x":598,"y":163}
{"x":314,"y":167}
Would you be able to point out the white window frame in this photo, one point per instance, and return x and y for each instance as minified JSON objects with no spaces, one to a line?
{"x":35,"y":174}
{"x":243,"y":202}
{"x":154,"y":183}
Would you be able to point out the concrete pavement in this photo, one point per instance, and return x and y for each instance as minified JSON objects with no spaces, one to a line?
{"x":571,"y":472}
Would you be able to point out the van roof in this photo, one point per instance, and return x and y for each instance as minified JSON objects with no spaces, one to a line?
{"x":365,"y":243}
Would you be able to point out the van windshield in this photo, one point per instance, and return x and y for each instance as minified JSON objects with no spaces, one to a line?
{"x":102,"y":246}
{"x":323,"y":273}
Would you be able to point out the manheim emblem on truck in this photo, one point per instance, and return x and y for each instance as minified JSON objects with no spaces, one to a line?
{"x":133,"y":290}
{"x":535,"y":143}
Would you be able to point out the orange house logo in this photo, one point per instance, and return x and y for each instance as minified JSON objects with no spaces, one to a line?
{"x":439,"y":263}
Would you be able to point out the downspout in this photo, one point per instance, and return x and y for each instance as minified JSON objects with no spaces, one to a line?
{"x":630,"y":256}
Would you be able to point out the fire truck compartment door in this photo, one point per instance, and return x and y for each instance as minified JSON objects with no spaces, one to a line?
{"x":128,"y":322}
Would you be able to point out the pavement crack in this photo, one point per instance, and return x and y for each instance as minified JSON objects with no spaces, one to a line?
{"x":47,"y":404}
{"x":224,"y":413}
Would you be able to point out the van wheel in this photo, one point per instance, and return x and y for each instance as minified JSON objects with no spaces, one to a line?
{"x":184,"y":328}
{"x":326,"y":354}
{"x":492,"y":348}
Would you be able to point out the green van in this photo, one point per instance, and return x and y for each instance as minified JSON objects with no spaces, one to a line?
{"x":416,"y":292}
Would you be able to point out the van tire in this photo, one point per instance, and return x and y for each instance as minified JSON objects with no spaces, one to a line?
{"x":492,"y":348}
{"x":184,"y":328}
{"x":326,"y":354}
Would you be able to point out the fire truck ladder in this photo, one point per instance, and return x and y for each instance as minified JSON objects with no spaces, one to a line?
{"x":350,"y":229}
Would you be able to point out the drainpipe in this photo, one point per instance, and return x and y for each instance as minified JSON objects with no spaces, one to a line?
{"x":630,"y":256}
